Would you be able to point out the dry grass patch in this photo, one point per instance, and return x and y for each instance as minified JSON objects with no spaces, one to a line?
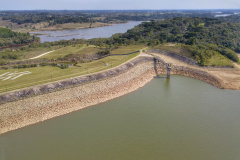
{"x":175,"y":48}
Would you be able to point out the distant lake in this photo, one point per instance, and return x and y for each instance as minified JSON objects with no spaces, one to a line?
{"x":225,"y":15}
{"x":103,"y":32}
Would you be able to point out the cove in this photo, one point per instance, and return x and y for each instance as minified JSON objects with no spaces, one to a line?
{"x":177,"y":119}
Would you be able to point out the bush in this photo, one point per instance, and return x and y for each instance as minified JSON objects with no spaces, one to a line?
{"x":43,"y":64}
{"x":3,"y":62}
{"x":53,"y":64}
{"x":33,"y":65}
{"x":4,"y":68}
{"x":64,"y":66}
{"x":103,"y":53}
{"x":230,"y":54}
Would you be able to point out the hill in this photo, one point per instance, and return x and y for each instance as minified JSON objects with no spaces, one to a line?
{"x":204,"y":37}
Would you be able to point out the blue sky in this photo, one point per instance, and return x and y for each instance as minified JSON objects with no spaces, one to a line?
{"x":117,"y":4}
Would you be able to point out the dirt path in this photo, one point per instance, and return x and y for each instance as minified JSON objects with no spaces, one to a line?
{"x":42,"y":54}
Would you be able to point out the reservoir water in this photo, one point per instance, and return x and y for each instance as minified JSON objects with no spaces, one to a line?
{"x":103,"y":32}
{"x":177,"y":119}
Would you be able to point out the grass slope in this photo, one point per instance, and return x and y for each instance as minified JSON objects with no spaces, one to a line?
{"x":41,"y":75}
{"x":216,"y":59}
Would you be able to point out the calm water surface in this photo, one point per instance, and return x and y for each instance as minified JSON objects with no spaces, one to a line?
{"x":103,"y":32}
{"x":179,"y":119}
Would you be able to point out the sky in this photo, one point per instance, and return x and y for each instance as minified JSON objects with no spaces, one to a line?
{"x":117,"y":4}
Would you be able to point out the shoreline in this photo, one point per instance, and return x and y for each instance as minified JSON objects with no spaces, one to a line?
{"x":21,"y":113}
{"x":35,"y":32}
{"x":60,"y":27}
{"x":91,"y":90}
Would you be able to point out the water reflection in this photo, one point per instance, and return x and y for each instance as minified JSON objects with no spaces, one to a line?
{"x":167,"y":82}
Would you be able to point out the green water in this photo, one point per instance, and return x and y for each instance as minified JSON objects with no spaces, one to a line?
{"x":180,"y":119}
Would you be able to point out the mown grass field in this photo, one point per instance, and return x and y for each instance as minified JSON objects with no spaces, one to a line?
{"x":77,"y":49}
{"x":60,"y":51}
{"x":29,"y":53}
{"x":34,"y":53}
{"x":41,"y":75}
{"x":127,"y":49}
{"x":84,"y":49}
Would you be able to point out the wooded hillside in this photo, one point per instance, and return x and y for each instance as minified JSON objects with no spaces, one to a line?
{"x":8,"y":37}
{"x":210,"y":34}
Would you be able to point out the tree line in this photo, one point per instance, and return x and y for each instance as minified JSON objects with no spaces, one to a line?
{"x":8,"y":38}
{"x":204,"y":37}
{"x":221,"y":36}
{"x":105,"y":16}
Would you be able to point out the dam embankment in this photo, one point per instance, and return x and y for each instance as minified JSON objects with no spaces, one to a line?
{"x":39,"y":103}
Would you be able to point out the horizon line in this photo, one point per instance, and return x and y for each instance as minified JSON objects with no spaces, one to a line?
{"x":112,"y":9}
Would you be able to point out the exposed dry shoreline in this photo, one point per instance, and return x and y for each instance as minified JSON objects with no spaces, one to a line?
{"x":31,"y":110}
{"x":44,"y":26}
{"x":111,"y":84}
{"x":70,"y":26}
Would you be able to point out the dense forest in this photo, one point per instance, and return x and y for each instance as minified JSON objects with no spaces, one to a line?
{"x":8,"y":38}
{"x":209,"y":34}
{"x":231,"y":18}
{"x":60,"y":17}
{"x":51,"y":17}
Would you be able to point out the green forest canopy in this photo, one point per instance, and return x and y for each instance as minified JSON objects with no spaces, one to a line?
{"x":80,"y":16}
{"x":206,"y":33}
{"x":8,"y":37}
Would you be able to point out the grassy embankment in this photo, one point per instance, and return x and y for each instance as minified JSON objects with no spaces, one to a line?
{"x":24,"y":54}
{"x":40,"y":75}
{"x":216,"y":59}
{"x":84,"y":49}
{"x":77,"y":49}
{"x":60,"y":51}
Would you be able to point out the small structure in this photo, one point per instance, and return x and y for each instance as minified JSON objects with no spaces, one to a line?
{"x":169,"y":66}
